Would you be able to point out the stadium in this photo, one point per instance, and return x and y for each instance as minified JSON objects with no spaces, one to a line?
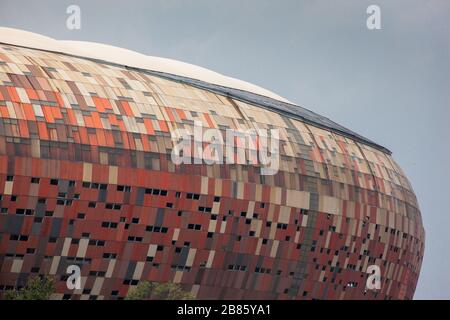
{"x":87,"y":179}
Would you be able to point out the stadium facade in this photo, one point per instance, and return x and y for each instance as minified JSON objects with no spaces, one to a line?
{"x":87,"y":179}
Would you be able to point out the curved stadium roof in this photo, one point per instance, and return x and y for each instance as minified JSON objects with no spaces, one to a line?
{"x":180,"y":72}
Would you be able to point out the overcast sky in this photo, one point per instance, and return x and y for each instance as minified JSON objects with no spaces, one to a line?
{"x":390,"y":85}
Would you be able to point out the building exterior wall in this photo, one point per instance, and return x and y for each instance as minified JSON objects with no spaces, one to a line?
{"x":86,"y":178}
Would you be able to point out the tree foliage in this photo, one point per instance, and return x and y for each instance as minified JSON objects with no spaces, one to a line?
{"x":147,"y":290}
{"x":37,"y":288}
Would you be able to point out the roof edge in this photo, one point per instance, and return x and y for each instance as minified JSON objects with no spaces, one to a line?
{"x":283,"y":107}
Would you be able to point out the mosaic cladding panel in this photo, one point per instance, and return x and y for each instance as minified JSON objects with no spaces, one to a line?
{"x":86,"y":179}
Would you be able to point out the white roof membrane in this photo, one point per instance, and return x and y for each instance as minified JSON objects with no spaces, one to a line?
{"x":128,"y":58}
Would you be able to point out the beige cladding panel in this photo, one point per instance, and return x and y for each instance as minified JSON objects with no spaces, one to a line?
{"x":297,"y":199}
{"x":87,"y":172}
